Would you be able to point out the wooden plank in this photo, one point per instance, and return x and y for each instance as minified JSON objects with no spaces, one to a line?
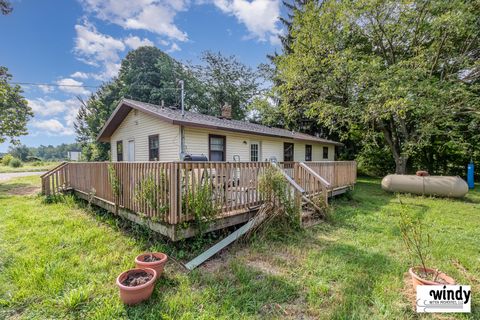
{"x":225,"y":242}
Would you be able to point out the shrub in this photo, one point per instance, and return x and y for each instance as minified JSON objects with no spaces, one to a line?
{"x":274,"y":190}
{"x":15,"y":163}
{"x":414,"y":235}
{"x":6,"y":159}
{"x":201,"y":202}
{"x":152,"y":194}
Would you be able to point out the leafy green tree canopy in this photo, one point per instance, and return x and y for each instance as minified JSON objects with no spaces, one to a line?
{"x":393,"y":70}
{"x":226,"y":80}
{"x":14,"y":109}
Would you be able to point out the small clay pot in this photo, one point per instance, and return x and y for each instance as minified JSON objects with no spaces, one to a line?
{"x":155,"y":265}
{"x":137,"y":294}
{"x":416,"y":280}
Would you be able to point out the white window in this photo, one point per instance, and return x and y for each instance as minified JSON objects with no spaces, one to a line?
{"x":255,"y":155}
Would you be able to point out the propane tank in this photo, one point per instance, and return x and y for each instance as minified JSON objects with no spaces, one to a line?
{"x":470,"y":171}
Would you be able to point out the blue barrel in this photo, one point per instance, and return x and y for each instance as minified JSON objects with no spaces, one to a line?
{"x":470,"y":182}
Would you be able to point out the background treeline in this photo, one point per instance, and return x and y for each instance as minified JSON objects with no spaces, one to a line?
{"x":45,"y":153}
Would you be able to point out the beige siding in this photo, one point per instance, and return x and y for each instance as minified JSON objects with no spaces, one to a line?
{"x":196,"y":142}
{"x":138,"y":126}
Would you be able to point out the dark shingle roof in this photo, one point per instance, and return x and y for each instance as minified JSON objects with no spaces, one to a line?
{"x":198,"y":120}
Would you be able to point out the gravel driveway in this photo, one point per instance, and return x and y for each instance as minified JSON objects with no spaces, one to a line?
{"x":10,"y":175}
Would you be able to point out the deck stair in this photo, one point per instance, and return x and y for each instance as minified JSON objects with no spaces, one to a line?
{"x":312,"y":191}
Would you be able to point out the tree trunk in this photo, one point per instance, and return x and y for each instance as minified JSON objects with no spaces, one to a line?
{"x":400,"y":164}
{"x":394,"y":144}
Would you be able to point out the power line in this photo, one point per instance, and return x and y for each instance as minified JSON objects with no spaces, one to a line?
{"x":79,"y":85}
{"x":54,"y":84}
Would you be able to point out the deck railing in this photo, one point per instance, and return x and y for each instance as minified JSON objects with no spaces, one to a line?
{"x":337,"y":173}
{"x":167,"y":191}
{"x":55,"y":180}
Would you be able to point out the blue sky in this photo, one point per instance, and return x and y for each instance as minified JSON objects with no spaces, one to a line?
{"x":81,"y":42}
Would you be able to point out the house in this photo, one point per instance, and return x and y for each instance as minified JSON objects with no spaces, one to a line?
{"x":141,"y":131}
{"x":147,"y":144}
{"x":74,"y":155}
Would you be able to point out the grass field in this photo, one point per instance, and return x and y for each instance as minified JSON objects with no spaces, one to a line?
{"x":30,"y":167}
{"x":60,"y":261}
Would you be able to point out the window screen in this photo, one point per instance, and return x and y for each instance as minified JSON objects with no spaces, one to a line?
{"x":325,"y":152}
{"x":287,"y":151}
{"x":308,"y":152}
{"x":153,"y":148}
{"x":217,"y":148}
{"x":120,"y":150}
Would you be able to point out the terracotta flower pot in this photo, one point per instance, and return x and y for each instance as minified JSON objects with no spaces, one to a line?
{"x":135,"y":294}
{"x":417,"y":280}
{"x":155,"y":265}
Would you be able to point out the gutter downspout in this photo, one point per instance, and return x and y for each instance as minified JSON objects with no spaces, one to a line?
{"x":182,"y":142}
{"x":182,"y":128}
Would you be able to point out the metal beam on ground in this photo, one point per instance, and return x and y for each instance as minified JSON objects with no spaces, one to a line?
{"x":225,"y":242}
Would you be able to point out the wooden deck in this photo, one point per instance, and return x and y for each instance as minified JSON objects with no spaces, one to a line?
{"x":234,"y":188}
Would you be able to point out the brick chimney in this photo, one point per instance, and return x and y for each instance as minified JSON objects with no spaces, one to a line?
{"x":226,"y":111}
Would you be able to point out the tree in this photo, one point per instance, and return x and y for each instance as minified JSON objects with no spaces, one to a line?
{"x":293,"y":7}
{"x":226,"y":80}
{"x":14,"y":109}
{"x":20,"y":152}
{"x":146,"y":74}
{"x":391,"y":72}
{"x":5,"y":7}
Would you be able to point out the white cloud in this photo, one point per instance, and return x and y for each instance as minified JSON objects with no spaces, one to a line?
{"x":48,"y":107}
{"x":156,"y":16}
{"x":101,"y":50}
{"x":260,"y":17}
{"x":72,"y":86}
{"x":174,"y":47}
{"x":50,"y":112}
{"x":135,"y":42}
{"x":46,"y":88}
{"x":96,"y":47}
{"x":79,"y":75}
{"x":52,"y":127}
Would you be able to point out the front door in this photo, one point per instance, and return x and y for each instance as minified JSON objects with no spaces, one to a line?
{"x":287,"y":151}
{"x":131,"y":150}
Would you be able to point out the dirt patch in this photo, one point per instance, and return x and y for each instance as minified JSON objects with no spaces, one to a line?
{"x":264,"y":266}
{"x":137,"y":279}
{"x":220,"y":261}
{"x":24,"y":191}
{"x":408,"y":291}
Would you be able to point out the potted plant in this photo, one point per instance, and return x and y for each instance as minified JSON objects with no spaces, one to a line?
{"x":153,"y":260}
{"x":417,"y":242}
{"x":136,"y":285}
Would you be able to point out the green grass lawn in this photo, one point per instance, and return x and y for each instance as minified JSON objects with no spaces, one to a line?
{"x":61,"y":260}
{"x":30,"y":167}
